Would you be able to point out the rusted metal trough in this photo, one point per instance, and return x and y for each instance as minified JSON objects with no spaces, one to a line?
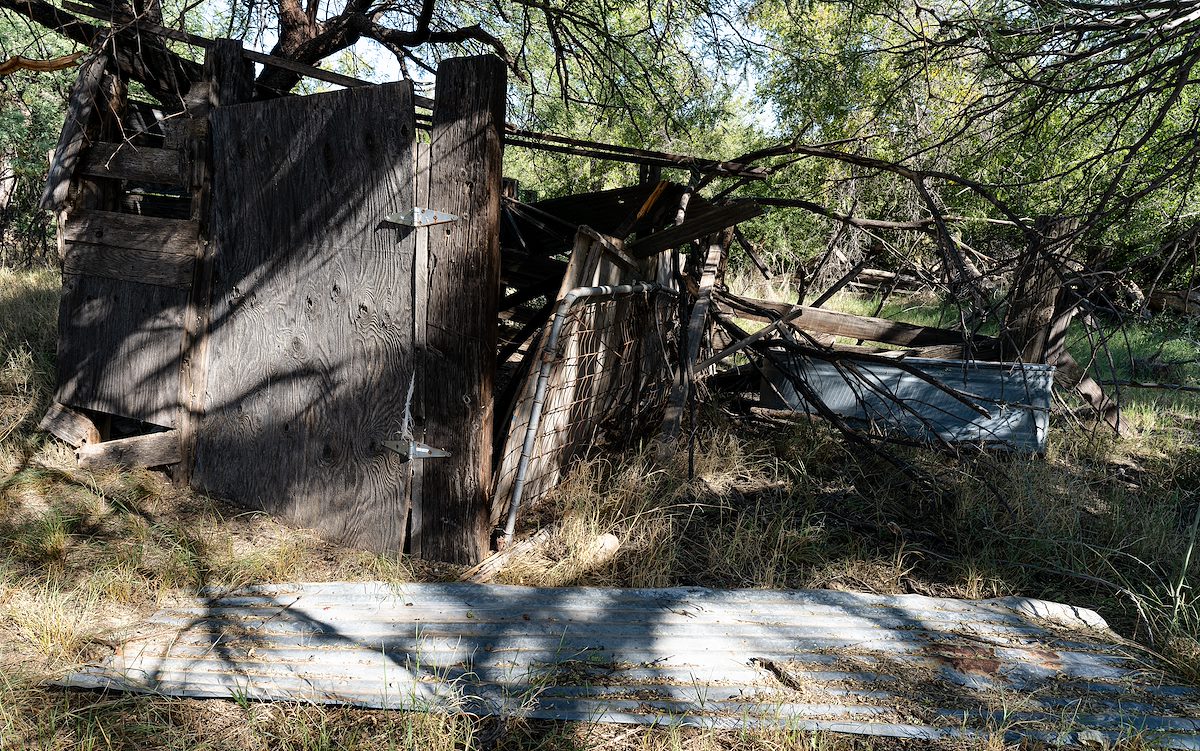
{"x":904,"y":666}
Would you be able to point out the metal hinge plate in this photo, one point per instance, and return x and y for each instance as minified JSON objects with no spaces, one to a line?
{"x":420,"y":217}
{"x":410,"y":449}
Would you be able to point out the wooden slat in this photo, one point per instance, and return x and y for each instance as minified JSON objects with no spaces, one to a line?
{"x":67,"y":425}
{"x":144,"y":265}
{"x":464,"y":281}
{"x":138,"y":163}
{"x":80,"y":106}
{"x":153,"y":450}
{"x":152,"y":234}
{"x":700,"y":225}
{"x":420,"y":312}
{"x":871,"y":329}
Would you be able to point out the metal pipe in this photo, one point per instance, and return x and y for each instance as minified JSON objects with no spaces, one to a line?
{"x":539,"y":394}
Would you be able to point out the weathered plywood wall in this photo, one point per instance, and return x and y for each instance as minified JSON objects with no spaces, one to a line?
{"x":310,"y":350}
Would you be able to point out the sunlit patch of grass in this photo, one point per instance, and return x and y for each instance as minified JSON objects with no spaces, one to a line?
{"x":55,"y":623}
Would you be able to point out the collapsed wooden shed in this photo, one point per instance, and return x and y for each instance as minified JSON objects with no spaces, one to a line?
{"x":300,"y":303}
{"x":334,"y":308}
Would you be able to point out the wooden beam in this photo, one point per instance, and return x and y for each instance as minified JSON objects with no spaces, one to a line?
{"x":751,"y":253}
{"x":67,"y":425}
{"x":871,"y":329}
{"x":612,"y":247}
{"x":145,"y":233}
{"x":153,"y":450}
{"x":742,"y":344}
{"x":463,"y":291}
{"x":125,"y":161}
{"x":80,"y":105}
{"x":630,"y":154}
{"x":700,"y":225}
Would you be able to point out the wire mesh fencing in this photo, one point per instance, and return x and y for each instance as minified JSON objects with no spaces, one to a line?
{"x":599,"y":376}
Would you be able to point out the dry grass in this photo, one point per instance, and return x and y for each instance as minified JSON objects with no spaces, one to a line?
{"x":1096,"y":524}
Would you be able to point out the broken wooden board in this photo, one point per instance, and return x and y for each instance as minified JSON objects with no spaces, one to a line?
{"x":69,"y":426}
{"x":867,"y":328}
{"x":901,"y":665}
{"x":151,"y":450}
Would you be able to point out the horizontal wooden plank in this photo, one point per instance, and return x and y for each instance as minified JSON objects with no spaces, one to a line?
{"x":153,"y":450}
{"x":131,"y":231}
{"x":67,"y":425}
{"x":706,"y":223}
{"x":823,"y":321}
{"x":144,"y":265}
{"x":128,"y":162}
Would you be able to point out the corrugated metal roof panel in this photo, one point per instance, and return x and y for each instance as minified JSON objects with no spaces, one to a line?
{"x":905,"y":666}
{"x":1015,"y":396}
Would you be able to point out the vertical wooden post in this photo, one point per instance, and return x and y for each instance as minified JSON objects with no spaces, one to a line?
{"x":230,"y":80}
{"x":460,"y":336}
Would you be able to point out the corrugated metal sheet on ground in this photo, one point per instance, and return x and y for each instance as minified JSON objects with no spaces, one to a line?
{"x":1015,"y":396}
{"x":906,"y":665}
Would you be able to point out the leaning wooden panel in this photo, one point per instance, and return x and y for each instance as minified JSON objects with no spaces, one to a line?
{"x":118,"y":348}
{"x":310,"y":344}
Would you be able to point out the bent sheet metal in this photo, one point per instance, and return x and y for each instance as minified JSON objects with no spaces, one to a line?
{"x":905,"y":666}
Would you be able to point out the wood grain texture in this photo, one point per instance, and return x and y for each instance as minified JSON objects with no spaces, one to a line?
{"x":310,"y":334}
{"x":152,"y":450}
{"x":81,"y":105}
{"x":821,"y":321}
{"x":420,"y":303}
{"x":118,"y":347}
{"x":145,"y":265}
{"x":67,"y":425}
{"x":228,"y":80}
{"x":153,"y":234}
{"x":137,"y":163}
{"x":464,"y":279}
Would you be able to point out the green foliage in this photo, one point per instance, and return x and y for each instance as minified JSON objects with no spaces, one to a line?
{"x":31,"y":112}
